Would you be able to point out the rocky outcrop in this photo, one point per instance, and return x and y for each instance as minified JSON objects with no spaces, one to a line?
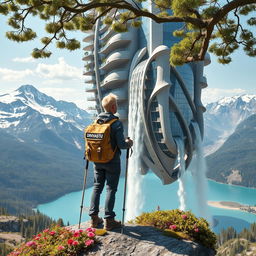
{"x":10,"y":223}
{"x":234,"y":177}
{"x":144,"y":241}
{"x":11,"y":239}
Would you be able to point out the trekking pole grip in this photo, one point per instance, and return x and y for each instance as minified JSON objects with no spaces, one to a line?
{"x":128,"y":149}
{"x":87,"y":164}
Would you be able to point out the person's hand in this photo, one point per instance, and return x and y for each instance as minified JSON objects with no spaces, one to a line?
{"x":130,"y":142}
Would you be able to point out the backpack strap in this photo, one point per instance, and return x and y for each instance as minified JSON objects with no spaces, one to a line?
{"x":112,"y":121}
{"x":108,"y":122}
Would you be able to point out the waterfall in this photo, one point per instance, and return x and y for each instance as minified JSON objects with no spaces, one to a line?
{"x":182,"y":183}
{"x":135,"y":199}
{"x":199,"y":176}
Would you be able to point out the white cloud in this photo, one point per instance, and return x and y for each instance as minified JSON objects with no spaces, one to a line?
{"x":24,"y":60}
{"x":45,"y":73}
{"x":60,"y":70}
{"x":214,"y":94}
{"x":14,"y":75}
{"x":57,"y":92}
{"x":67,"y":94}
{"x":52,"y":82}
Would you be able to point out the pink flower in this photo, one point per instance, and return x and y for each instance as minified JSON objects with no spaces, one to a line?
{"x":173,"y":227}
{"x":90,"y":230}
{"x":196,"y":230}
{"x":90,"y":234}
{"x":37,"y":238}
{"x":32,"y":244}
{"x":184,"y":216}
{"x":46,"y":230}
{"x":70,"y":241}
{"x":52,"y":233}
{"x":79,"y":231}
{"x":61,"y":247}
{"x":89,"y":242}
{"x":75,"y":243}
{"x":76,"y":234}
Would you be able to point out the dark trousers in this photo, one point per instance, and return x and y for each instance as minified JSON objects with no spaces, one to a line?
{"x":110,"y":174}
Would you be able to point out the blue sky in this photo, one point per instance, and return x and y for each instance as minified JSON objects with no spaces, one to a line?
{"x":61,"y":76}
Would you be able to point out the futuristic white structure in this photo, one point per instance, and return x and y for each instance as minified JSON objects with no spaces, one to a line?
{"x":137,"y":61}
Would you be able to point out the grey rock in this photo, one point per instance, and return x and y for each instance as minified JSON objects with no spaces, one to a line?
{"x":144,"y":241}
{"x":10,"y":223}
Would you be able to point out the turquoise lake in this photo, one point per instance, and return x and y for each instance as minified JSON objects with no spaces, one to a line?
{"x":67,"y":207}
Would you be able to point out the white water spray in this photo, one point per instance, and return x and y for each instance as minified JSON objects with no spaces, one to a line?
{"x":182,"y":183}
{"x":199,"y":176}
{"x":135,"y":197}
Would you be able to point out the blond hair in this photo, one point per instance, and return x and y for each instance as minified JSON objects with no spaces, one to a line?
{"x":108,"y":101}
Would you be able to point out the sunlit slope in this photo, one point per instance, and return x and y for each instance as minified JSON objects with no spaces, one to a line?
{"x":41,"y":145}
{"x":235,"y":161}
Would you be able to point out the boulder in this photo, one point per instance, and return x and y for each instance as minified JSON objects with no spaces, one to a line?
{"x":144,"y":241}
{"x":10,"y":223}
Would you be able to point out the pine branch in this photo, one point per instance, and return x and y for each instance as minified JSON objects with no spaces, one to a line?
{"x":217,"y":18}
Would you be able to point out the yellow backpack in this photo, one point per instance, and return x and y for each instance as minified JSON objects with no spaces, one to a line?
{"x":98,"y":147}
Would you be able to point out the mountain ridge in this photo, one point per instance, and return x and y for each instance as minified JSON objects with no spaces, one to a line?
{"x":26,"y":111}
{"x":222,"y":118}
{"x":28,"y":97}
{"x":42,"y":145}
{"x":234,"y":162}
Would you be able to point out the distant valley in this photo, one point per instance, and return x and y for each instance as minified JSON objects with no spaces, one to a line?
{"x":41,"y":143}
{"x":230,"y":140}
{"x":222,"y":117}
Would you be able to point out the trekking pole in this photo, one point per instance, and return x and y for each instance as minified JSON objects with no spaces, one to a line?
{"x":125,"y":184}
{"x":84,"y":184}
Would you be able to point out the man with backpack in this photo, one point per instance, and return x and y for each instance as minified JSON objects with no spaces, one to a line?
{"x":104,"y":141}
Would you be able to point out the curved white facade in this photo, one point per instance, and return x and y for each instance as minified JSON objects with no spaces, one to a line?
{"x":170,"y":98}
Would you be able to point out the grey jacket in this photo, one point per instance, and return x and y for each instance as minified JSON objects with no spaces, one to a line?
{"x":116,"y":135}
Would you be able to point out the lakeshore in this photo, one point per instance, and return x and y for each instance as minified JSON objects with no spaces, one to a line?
{"x":232,"y":206}
{"x":166,"y":197}
{"x":230,"y":184}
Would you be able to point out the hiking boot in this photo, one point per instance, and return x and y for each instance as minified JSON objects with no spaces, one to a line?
{"x":96,"y":221}
{"x":111,"y":223}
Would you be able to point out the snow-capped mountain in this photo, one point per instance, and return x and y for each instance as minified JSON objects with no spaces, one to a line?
{"x":41,"y":145}
{"x":32,"y":116}
{"x":234,"y":162}
{"x":222,"y":118}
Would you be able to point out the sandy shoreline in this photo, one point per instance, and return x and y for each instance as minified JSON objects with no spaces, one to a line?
{"x":232,"y":206}
{"x":224,"y":205}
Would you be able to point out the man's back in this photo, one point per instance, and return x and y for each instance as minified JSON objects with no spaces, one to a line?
{"x":116,"y":134}
{"x":108,"y":173}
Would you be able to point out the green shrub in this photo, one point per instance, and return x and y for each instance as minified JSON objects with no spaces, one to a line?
{"x":57,"y":241}
{"x":176,"y":222}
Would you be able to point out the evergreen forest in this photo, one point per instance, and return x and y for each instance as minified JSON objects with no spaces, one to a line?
{"x":30,"y":224}
{"x":231,"y":243}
